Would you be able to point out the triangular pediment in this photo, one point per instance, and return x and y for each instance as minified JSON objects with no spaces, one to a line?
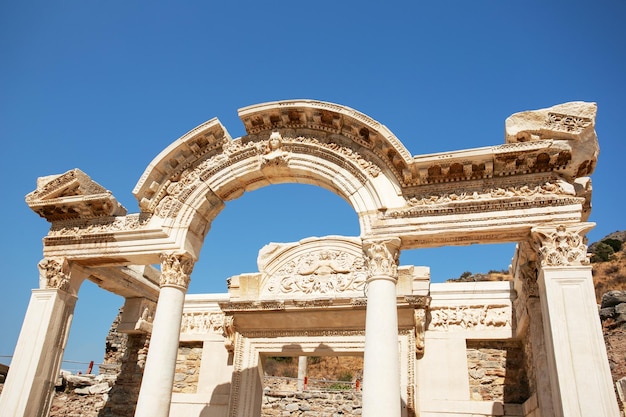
{"x":72,"y":195}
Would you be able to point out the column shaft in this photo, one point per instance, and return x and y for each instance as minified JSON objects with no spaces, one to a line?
{"x":381,"y":364}
{"x":302,"y":362}
{"x":155,"y":395}
{"x":158,"y":377}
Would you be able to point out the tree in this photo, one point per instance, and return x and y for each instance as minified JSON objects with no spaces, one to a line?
{"x":602,"y":252}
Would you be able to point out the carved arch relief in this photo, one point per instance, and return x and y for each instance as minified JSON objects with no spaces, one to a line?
{"x":295,"y":141}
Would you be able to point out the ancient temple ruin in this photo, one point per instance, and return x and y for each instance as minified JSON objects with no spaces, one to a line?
{"x":427,"y":347}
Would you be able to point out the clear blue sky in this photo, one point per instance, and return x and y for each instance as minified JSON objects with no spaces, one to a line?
{"x":105,"y":86}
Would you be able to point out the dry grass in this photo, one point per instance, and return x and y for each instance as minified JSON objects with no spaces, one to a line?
{"x":611,"y":275}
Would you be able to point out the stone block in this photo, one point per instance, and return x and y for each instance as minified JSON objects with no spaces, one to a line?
{"x":620,"y":313}
{"x":607,"y":313}
{"x":613,"y":298}
{"x":621,"y":389}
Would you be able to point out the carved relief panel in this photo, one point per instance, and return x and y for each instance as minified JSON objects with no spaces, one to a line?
{"x":315,"y":268}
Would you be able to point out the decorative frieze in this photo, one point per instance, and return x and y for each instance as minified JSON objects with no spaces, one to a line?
{"x":468,"y":206}
{"x":233,"y":306}
{"x":469,"y":317}
{"x":504,"y":196}
{"x":100,"y":226}
{"x":54,"y":273}
{"x":418,"y":301}
{"x":202,"y":322}
{"x":176,"y":270}
{"x":562,"y":245}
{"x":548,"y":188}
{"x":567,"y":123}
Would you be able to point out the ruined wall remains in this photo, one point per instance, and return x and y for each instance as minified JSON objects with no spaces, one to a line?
{"x":497,"y":371}
{"x":311,"y":404}
{"x":187,"y":367}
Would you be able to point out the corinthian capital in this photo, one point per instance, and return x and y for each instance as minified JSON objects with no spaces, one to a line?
{"x":176,"y":270}
{"x":381,"y":257}
{"x":54,"y":273}
{"x":562,"y":245}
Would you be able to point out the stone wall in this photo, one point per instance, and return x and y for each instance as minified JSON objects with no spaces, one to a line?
{"x":311,"y":404}
{"x":187,"y":367}
{"x":122,"y":398}
{"x":497,"y":371}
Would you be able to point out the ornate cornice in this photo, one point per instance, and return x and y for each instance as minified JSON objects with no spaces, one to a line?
{"x":176,"y":270}
{"x":561,"y":245}
{"x":72,"y":195}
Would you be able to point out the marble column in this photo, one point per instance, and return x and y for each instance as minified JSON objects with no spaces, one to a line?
{"x":29,"y":388}
{"x":302,"y":363}
{"x":381,"y":367}
{"x":576,"y":354}
{"x":155,"y":394}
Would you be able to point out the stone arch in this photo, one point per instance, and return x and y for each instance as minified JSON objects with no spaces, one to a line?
{"x":310,"y":142}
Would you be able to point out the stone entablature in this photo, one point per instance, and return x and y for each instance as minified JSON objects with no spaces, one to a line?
{"x":483,"y":195}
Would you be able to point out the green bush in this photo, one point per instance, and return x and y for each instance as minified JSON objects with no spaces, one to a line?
{"x":614,"y":243}
{"x":602,"y":252}
{"x":345,"y":376}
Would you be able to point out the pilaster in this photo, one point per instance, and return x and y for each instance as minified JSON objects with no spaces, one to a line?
{"x":381,"y":369}
{"x":28,"y":390}
{"x":156,"y":386}
{"x":577,"y":360}
{"x":530,"y":318}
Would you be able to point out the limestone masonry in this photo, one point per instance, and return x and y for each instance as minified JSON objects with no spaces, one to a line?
{"x":532,"y":347}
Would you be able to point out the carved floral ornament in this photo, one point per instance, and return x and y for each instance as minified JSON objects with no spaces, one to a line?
{"x":562,"y":245}
{"x":54,"y":273}
{"x":548,"y":188}
{"x":381,"y":257}
{"x":99,"y":226}
{"x":176,"y":270}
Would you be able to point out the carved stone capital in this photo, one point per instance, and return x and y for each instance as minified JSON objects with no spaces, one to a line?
{"x":381,"y":257}
{"x":562,"y":245}
{"x":54,"y":273}
{"x":176,"y":270}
